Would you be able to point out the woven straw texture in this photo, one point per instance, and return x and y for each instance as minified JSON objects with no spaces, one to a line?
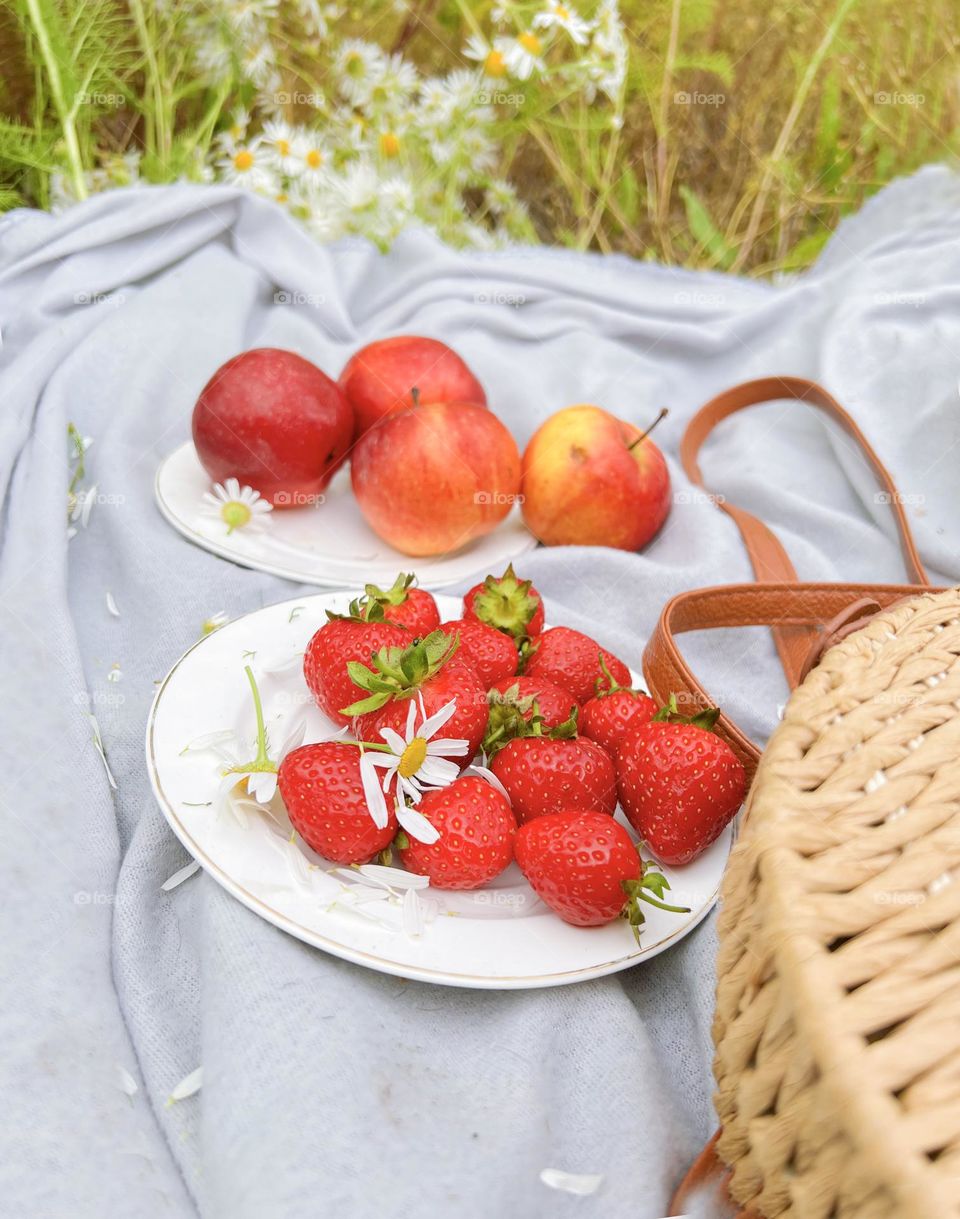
{"x":837,"y":1027}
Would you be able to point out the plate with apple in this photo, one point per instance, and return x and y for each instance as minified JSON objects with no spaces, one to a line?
{"x":450,"y":791}
{"x":333,"y":482}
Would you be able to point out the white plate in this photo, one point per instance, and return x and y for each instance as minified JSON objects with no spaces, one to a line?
{"x":328,"y":544}
{"x":501,"y":937}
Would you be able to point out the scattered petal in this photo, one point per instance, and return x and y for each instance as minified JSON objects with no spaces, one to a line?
{"x":125,"y":1082}
{"x":188,"y":1086}
{"x":112,"y":605}
{"x":581,"y":1184}
{"x":180,"y":876}
{"x":395,"y":878}
{"x":98,"y":744}
{"x":483,"y":772}
{"x":416,"y":825}
{"x":412,"y":917}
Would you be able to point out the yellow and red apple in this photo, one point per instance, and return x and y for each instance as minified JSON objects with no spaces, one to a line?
{"x":435,"y":477}
{"x":590,"y":479}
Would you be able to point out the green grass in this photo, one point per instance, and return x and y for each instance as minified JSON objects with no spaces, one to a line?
{"x":741,"y":134}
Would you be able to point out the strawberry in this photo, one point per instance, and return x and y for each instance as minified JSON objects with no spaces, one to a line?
{"x":413,"y":608}
{"x":547,"y":773}
{"x":491,"y":653}
{"x":573,"y":660}
{"x":606,"y":718}
{"x":430,"y":670}
{"x":511,"y":605}
{"x":323,"y":793}
{"x":679,"y":783}
{"x":585,"y":867}
{"x":344,"y":639}
{"x":553,"y":703}
{"x":477,"y":831}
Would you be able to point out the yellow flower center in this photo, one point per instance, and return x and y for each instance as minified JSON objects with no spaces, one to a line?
{"x":389,"y":144}
{"x":314,"y":158}
{"x":243,"y":160}
{"x":493,"y":65}
{"x":531,"y":43}
{"x":413,"y":757}
{"x":353,"y":65}
{"x":283,"y":197}
{"x":562,"y":13}
{"x":283,"y":147}
{"x":235,"y":515}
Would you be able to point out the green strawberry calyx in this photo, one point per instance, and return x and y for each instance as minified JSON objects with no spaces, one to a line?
{"x":512,"y":725}
{"x":612,"y":686}
{"x":399,"y":672}
{"x":506,"y":603}
{"x":362,"y":609}
{"x":507,"y":717}
{"x":649,"y":888}
{"x":670,"y":714}
{"x":396,"y":594}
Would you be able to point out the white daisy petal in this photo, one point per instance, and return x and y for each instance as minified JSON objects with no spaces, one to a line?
{"x":448,"y":748}
{"x":411,"y":719}
{"x":435,"y":722}
{"x":571,"y":1182}
{"x":188,"y":1086}
{"x":180,"y":876}
{"x":112,"y":606}
{"x":439,"y":771}
{"x":371,"y":791}
{"x":232,"y":488}
{"x":394,"y":740}
{"x":411,"y":915}
{"x":125,"y":1082}
{"x":483,"y":772}
{"x":394,"y":878}
{"x":416,"y":825}
{"x":262,"y":785}
{"x":381,"y":759}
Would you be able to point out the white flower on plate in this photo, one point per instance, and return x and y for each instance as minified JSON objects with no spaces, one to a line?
{"x":523,"y":55}
{"x":419,"y":762}
{"x":237,"y":507}
{"x":558,"y":15}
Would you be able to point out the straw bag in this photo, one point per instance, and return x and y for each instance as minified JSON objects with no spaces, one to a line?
{"x":837,"y":1027}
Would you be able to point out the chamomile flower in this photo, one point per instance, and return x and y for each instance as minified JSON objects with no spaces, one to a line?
{"x":245,"y":165}
{"x":392,"y":84}
{"x":418,"y":761}
{"x":523,"y":55}
{"x":235,"y":506}
{"x":489,"y":56}
{"x":358,"y":66}
{"x":279,"y":145}
{"x":558,"y":15}
{"x":239,"y":122}
{"x":309,"y":158}
{"x":359,"y":188}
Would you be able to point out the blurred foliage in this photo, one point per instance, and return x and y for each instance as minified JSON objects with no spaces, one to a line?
{"x":728,"y":135}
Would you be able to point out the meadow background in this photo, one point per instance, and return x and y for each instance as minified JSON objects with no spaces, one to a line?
{"x":697,"y":133}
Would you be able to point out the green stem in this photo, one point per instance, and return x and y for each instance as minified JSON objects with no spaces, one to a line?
{"x":262,"y":760}
{"x":65,"y":113}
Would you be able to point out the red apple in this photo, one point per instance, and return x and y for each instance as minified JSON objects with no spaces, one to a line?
{"x":589,"y":479}
{"x":433,"y":478}
{"x":275,"y":422}
{"x":380,"y":379}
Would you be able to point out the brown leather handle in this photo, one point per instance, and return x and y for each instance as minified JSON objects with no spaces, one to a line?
{"x":806,"y":606}
{"x":796,"y":613}
{"x":768,"y":558}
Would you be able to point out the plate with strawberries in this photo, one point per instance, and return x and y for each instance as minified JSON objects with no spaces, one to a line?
{"x":447,"y":790}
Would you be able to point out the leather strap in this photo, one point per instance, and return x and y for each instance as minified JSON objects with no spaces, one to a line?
{"x":768,"y":558}
{"x":805,"y":606}
{"x":795,"y":612}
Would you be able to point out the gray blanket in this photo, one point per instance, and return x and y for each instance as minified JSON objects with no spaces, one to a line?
{"x":328,"y":1089}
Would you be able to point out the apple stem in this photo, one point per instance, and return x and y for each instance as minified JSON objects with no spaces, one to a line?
{"x":415,"y":395}
{"x":643,"y":435}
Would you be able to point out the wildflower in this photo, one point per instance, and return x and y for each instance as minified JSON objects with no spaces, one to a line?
{"x":561,"y":16}
{"x":523,"y":55}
